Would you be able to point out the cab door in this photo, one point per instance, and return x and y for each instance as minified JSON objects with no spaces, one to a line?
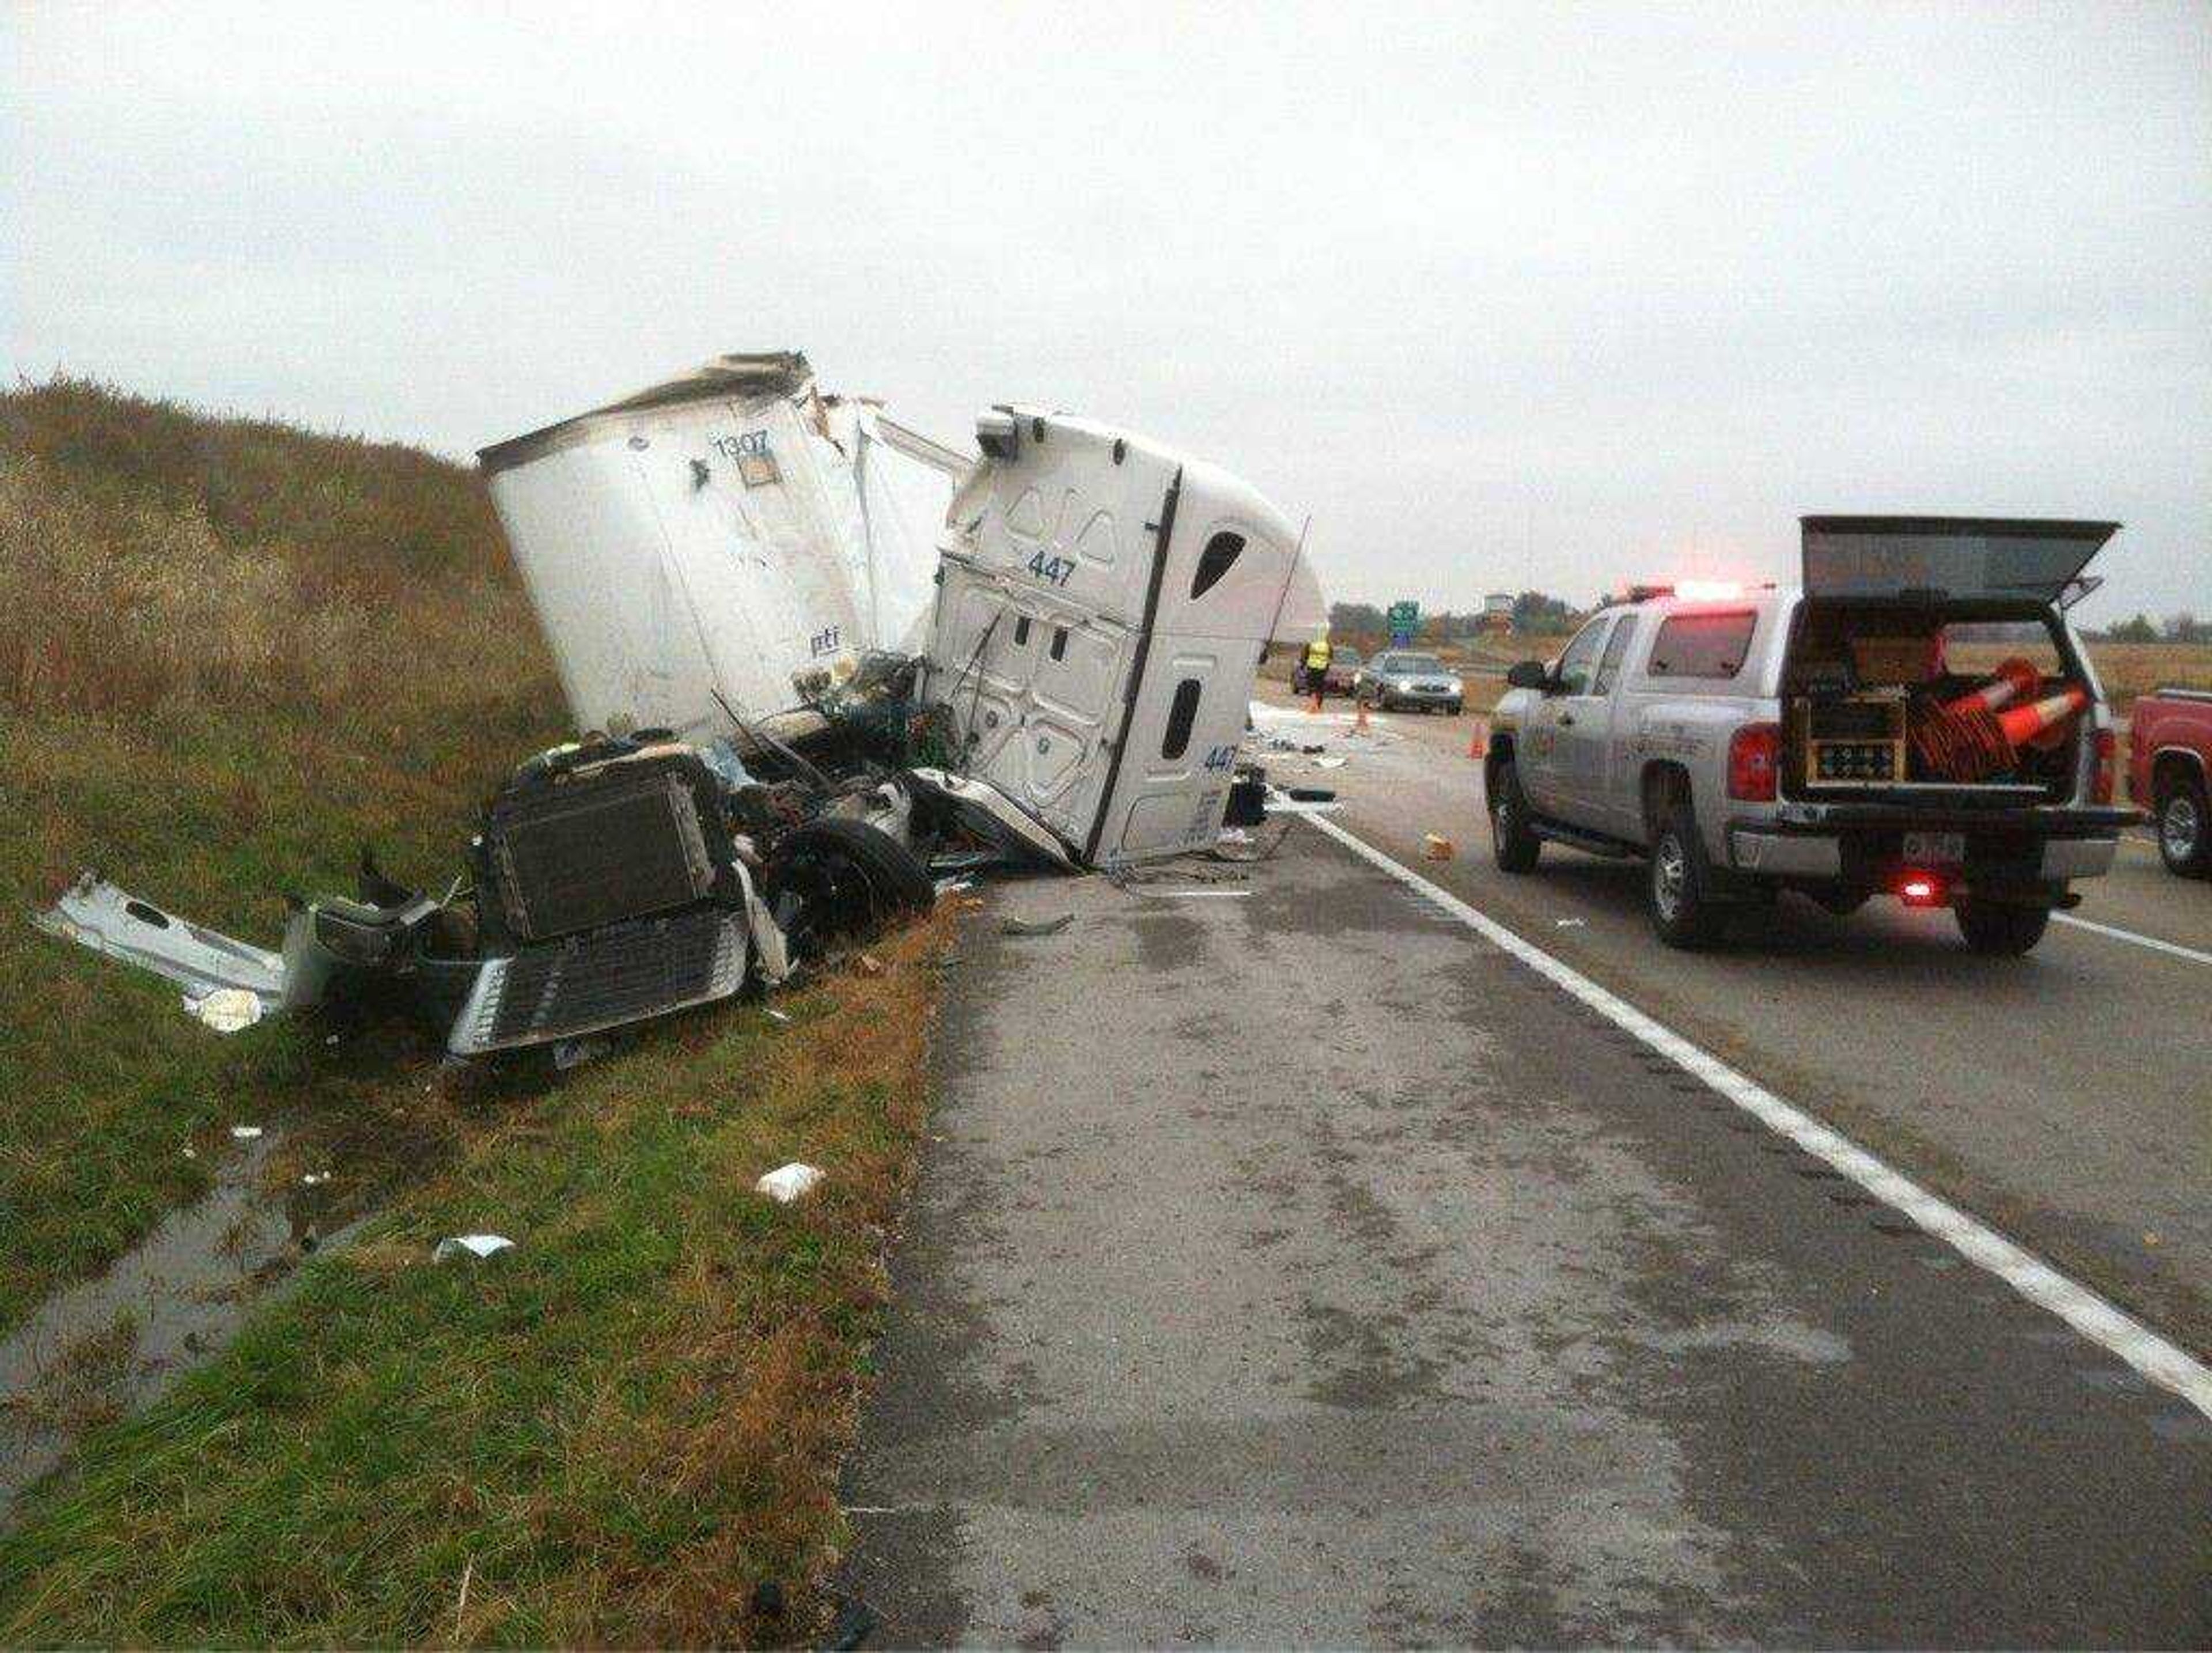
{"x":1548,"y":753}
{"x":1592,"y":741}
{"x":1585,"y":720}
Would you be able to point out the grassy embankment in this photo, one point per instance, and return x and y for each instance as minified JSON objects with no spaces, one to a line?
{"x":617,"y":1432}
{"x":230,"y":652}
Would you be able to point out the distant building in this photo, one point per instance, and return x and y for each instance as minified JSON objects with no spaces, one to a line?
{"x":1498,"y":611}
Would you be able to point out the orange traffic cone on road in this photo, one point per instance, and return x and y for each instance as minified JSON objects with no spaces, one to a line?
{"x":1478,"y":739}
{"x":1359,"y":715}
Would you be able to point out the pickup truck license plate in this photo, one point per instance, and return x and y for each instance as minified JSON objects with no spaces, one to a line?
{"x":1946,"y":848}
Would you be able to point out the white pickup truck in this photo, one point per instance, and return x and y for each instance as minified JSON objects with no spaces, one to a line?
{"x":1823,"y":739}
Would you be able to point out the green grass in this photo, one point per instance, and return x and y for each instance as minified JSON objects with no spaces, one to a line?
{"x":230,"y":653}
{"x":614,"y":1432}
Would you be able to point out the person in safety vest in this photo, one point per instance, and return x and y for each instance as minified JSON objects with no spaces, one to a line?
{"x":1315,"y":678}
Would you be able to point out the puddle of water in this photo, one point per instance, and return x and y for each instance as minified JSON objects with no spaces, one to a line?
{"x":110,"y":1344}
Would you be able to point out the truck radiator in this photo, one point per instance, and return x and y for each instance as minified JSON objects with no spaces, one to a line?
{"x":595,"y":849}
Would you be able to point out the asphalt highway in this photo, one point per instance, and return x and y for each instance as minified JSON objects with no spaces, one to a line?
{"x":1293,"y":1263}
{"x":2066,"y":1098}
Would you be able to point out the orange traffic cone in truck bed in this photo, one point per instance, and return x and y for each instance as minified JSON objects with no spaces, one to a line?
{"x":2024,"y":723}
{"x":1967,"y":741}
{"x":2013,"y":678}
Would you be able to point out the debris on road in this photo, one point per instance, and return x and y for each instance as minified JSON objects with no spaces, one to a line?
{"x":471,"y":1245}
{"x":1023,"y":926}
{"x":788,"y":1183}
{"x":1436,"y":846}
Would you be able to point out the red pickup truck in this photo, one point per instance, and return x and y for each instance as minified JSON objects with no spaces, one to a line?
{"x":2169,"y":763}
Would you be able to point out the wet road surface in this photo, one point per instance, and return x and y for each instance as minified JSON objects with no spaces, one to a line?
{"x":1290,"y":1265}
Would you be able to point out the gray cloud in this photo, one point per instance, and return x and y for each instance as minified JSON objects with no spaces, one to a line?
{"x":1503,"y":296}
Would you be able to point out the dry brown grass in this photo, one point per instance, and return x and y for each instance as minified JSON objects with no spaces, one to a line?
{"x":154,"y":561}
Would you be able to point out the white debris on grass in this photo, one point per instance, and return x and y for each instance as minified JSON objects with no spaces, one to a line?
{"x":574,"y":1053}
{"x":245,"y":1133}
{"x":788,"y":1183}
{"x":471,"y":1245}
{"x":227,"y":1010}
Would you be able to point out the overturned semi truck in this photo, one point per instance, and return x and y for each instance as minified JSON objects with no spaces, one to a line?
{"x":816,"y":661}
{"x":1087,"y":608}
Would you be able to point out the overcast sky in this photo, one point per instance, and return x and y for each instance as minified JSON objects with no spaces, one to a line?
{"x":1504,"y":296}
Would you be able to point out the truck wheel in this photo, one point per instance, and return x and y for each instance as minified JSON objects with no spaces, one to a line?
{"x":1683,"y":911}
{"x":833,"y":880}
{"x":2185,"y":841}
{"x":2000,"y":929}
{"x":1512,"y":841}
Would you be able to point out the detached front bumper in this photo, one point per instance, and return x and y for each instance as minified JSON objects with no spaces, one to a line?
{"x":1864,"y":844}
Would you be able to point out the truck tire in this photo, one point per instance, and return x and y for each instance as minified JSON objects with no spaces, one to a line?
{"x":833,"y":880}
{"x":1679,"y":885}
{"x":2000,"y":929}
{"x":2183,"y":824}
{"x":1513,"y":843}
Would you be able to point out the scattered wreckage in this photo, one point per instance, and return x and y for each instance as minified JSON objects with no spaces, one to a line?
{"x":825,"y":662}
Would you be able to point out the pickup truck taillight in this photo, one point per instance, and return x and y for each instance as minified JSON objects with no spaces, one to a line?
{"x":2106,"y":761}
{"x":1754,"y":763}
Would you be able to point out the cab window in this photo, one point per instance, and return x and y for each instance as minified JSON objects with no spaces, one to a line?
{"x":1702,"y":645}
{"x":1582,"y":654}
{"x":1608,"y":666}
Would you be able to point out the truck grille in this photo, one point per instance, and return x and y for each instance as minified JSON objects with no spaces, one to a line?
{"x":621,"y":974}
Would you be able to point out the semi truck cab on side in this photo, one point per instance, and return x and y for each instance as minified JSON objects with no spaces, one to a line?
{"x":1917,"y":719}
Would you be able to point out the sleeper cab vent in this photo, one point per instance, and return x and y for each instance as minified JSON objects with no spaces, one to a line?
{"x":1221,"y":551}
{"x":1181,"y":715}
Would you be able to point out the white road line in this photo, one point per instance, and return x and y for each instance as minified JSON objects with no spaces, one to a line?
{"x":2101,"y":1322}
{"x":2150,"y":941}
